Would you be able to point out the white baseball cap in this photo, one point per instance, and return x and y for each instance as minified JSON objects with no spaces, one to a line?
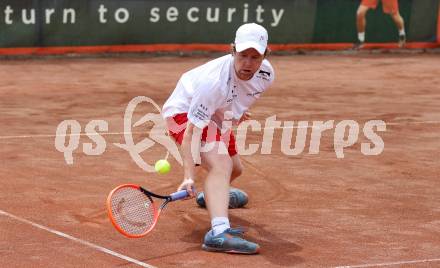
{"x":251,"y":35}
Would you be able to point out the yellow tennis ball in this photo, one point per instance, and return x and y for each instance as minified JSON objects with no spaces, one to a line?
{"x":162,"y":166}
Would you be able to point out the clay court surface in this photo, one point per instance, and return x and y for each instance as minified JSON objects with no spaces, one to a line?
{"x":308,"y":210}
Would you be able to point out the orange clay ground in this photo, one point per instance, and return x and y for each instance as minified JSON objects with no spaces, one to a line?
{"x":308,"y":210}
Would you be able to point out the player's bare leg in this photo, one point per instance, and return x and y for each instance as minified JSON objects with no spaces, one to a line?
{"x":400,"y":23}
{"x":221,"y":237}
{"x":219,"y":167}
{"x":237,"y":197}
{"x":237,"y":167}
{"x":361,"y":24}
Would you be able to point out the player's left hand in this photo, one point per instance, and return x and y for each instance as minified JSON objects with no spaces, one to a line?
{"x":246,"y":116}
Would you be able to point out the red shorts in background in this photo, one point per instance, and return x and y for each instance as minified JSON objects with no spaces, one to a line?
{"x":389,"y":6}
{"x":182,"y":119}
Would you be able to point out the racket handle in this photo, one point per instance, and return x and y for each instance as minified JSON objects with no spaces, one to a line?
{"x":179,"y":195}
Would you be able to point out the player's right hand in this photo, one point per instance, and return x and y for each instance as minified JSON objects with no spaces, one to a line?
{"x":188,"y":185}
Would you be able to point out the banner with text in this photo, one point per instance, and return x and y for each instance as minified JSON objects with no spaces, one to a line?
{"x":52,"y":23}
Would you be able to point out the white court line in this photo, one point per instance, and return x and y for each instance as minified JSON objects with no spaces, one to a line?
{"x":64,"y":135}
{"x":80,"y":241}
{"x":147,"y":132}
{"x":389,"y":263}
{"x":412,"y":123}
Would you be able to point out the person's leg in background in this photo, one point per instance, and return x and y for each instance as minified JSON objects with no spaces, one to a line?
{"x":361,"y":21}
{"x":391,"y":7}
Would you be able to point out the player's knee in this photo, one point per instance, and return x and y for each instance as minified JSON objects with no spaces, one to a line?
{"x":223,"y":165}
{"x":361,"y":12}
{"x":395,"y":15}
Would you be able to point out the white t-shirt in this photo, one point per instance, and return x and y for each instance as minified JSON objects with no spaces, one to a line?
{"x":212,"y":90}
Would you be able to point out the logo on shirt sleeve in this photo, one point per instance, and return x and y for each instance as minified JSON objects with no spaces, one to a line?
{"x":263,"y":75}
{"x":253,"y":94}
{"x":201,"y":112}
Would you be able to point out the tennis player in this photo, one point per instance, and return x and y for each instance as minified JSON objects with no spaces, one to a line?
{"x":221,"y":90}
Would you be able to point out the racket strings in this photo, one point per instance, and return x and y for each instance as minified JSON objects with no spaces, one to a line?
{"x":132,"y":210}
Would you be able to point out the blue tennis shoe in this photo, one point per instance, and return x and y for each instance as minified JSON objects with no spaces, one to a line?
{"x":237,"y":198}
{"x":229,"y":241}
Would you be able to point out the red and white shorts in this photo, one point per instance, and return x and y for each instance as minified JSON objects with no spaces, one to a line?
{"x":182,"y":119}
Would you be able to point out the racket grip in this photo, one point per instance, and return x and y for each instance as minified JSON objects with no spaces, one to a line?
{"x":179,"y":195}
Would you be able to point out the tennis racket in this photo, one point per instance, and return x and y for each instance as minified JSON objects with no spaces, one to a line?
{"x":132,"y":211}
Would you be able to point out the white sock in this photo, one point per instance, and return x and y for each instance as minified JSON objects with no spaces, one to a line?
{"x":402,"y":32}
{"x":219,"y":225}
{"x":361,"y":37}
